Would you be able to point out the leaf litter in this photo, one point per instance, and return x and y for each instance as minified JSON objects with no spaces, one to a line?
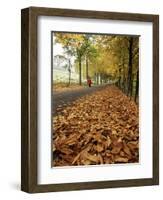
{"x":100,"y":128}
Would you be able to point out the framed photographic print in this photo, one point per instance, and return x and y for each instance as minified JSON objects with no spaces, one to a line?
{"x":90,"y":99}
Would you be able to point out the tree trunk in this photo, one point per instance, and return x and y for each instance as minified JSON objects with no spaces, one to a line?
{"x":101,"y":78}
{"x":80,"y":76}
{"x":132,"y":85}
{"x":69,"y":69}
{"x":97,"y":78}
{"x":137,"y":86}
{"x":86,"y":62}
{"x":124,"y":80}
{"x":129,"y":82}
{"x":119,"y":79}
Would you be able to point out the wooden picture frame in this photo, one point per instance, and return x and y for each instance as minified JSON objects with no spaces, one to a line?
{"x":29,"y":97}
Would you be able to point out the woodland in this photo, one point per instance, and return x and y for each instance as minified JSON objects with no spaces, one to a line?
{"x":100,"y":124}
{"x":103,"y":58}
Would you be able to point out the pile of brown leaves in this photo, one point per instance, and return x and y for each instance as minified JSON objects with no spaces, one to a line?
{"x":101,"y":128}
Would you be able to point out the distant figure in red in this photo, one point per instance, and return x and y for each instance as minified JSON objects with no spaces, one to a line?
{"x":89,"y":81}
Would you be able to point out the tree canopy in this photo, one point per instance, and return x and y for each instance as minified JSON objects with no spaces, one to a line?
{"x":104,"y":58}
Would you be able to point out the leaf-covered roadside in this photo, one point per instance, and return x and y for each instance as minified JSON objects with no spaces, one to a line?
{"x":101,"y":128}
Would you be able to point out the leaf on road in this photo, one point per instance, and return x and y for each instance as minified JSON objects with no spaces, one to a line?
{"x":100,"y":128}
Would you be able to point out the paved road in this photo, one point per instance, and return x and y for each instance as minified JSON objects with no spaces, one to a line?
{"x":62,"y":99}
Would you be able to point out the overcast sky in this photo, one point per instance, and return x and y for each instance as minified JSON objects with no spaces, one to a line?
{"x":58,"y":50}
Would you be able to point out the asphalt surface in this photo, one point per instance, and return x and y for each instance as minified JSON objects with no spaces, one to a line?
{"x":62,"y":99}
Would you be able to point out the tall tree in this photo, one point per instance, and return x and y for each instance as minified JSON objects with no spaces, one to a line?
{"x":137,"y":86}
{"x":73,"y":43}
{"x":129,"y":83}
